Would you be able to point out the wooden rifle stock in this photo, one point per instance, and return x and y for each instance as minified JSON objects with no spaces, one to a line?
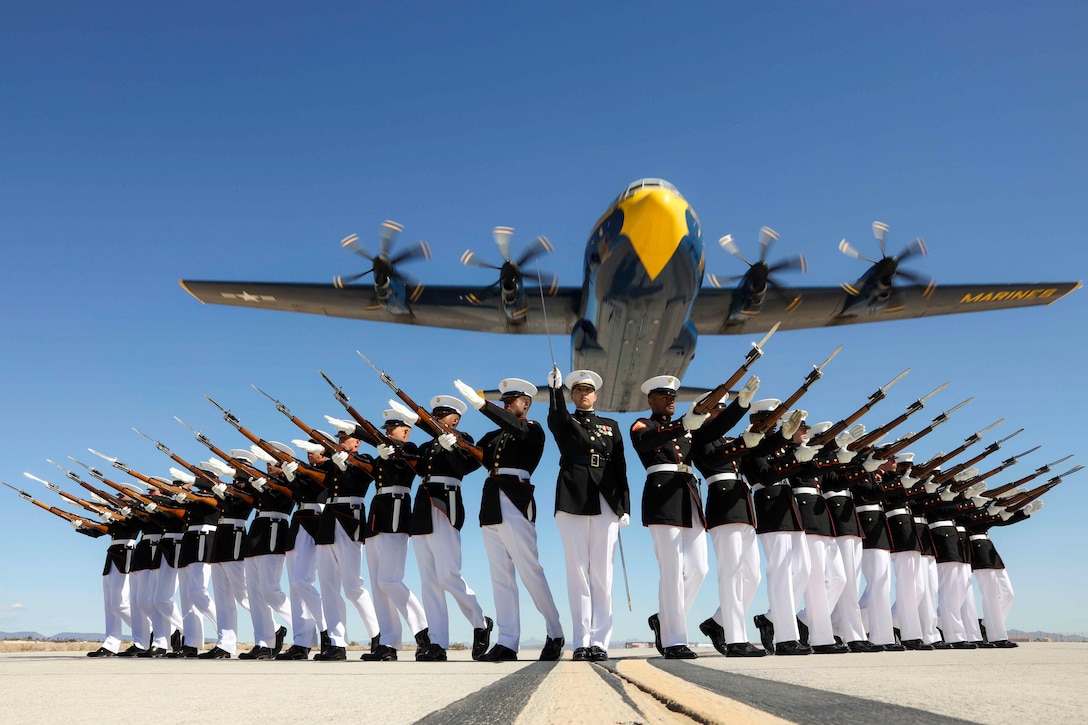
{"x":70,"y":517}
{"x":425,"y":415}
{"x":817,"y":372}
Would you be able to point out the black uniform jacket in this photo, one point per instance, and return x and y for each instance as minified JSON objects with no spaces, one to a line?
{"x":729,"y":500}
{"x":836,"y":478}
{"x":170,"y":547}
{"x":306,"y":491}
{"x":441,"y":496}
{"x":120,"y":556}
{"x":668,"y":495}
{"x":391,"y":512}
{"x":946,"y":539}
{"x":270,"y":535}
{"x":766,"y":468}
{"x":148,"y":555}
{"x":198,"y":546}
{"x":230,"y":536}
{"x":518,"y":444}
{"x":350,"y":483}
{"x":591,"y":460}
{"x":983,"y":553}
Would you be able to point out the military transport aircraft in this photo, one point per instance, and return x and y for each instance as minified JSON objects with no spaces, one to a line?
{"x":641,"y":306}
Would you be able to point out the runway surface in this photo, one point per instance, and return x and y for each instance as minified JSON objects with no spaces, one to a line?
{"x":1038,"y":682}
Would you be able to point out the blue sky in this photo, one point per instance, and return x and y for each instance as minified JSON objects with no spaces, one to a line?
{"x":146,"y":144}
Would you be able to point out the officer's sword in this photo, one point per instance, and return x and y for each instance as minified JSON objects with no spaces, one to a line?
{"x":623,"y":565}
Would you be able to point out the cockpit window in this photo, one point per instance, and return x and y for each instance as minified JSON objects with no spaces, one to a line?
{"x":646,"y":183}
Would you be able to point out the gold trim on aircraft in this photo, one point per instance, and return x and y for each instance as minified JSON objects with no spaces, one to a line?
{"x":655,"y":220}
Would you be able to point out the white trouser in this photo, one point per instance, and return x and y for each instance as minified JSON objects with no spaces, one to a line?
{"x":736,"y":551}
{"x":996,"y":590}
{"x":826,"y":580}
{"x":307,"y":619}
{"x":115,"y":600}
{"x":385,"y":556}
{"x":876,"y":600}
{"x":229,"y":586}
{"x":165,"y":615}
{"x":788,"y":564}
{"x":589,"y":547}
{"x":266,"y":597}
{"x":196,"y":602}
{"x":438,"y":555}
{"x":140,"y":593}
{"x":340,"y":565}
{"x":682,"y":564}
{"x":511,"y":546}
{"x":953,"y":580}
{"x":908,"y":594}
{"x":969,"y":614}
{"x":927,"y":605}
{"x":846,"y":614}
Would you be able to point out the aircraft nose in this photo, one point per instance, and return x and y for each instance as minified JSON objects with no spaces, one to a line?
{"x":655,"y":221}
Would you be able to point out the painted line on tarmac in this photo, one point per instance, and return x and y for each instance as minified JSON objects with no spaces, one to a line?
{"x":796,"y":703}
{"x":500,"y":701}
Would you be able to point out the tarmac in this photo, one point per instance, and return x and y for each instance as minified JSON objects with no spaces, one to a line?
{"x":1036,"y":683}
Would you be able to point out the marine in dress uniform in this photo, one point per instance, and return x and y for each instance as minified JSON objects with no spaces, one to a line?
{"x":165,"y":615}
{"x":228,"y":559}
{"x":140,"y":588}
{"x":953,"y":572}
{"x":508,"y":517}
{"x":906,"y":555}
{"x":115,"y":584}
{"x":592,"y":503}
{"x":194,"y":564}
{"x":672,"y":508}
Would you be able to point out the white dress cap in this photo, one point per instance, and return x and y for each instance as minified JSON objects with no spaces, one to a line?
{"x":583,"y":377}
{"x":243,"y":455}
{"x":448,"y":401}
{"x":821,"y":427}
{"x":661,"y":382}
{"x":765,"y":405}
{"x":516,"y":386}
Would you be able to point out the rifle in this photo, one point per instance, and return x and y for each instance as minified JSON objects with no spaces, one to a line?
{"x":268,"y":448}
{"x":873,"y":436}
{"x":320,"y":438}
{"x":829,"y":435}
{"x":964,"y":485}
{"x":423,"y":413}
{"x":817,"y":372}
{"x":714,"y":397}
{"x":99,"y":496}
{"x":238,"y":464}
{"x":929,"y":466}
{"x":201,"y":476}
{"x":910,"y":439}
{"x":69,"y":517}
{"x":148,"y":504}
{"x":996,"y":492}
{"x":959,"y":468}
{"x":1027,"y":497}
{"x":102,"y":512}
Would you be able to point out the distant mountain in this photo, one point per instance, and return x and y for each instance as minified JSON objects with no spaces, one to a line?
{"x":1052,"y":636}
{"x":21,"y":635}
{"x":60,"y":636}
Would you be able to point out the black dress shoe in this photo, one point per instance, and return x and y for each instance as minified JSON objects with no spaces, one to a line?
{"x":384,"y":653}
{"x":423,"y":643}
{"x":943,"y":645}
{"x":802,"y":631}
{"x":185,"y":653}
{"x":132,"y":651}
{"x":332,"y":653}
{"x":581,"y":654}
{"x":294,"y":652}
{"x":983,"y":644}
{"x":375,"y":642}
{"x":326,"y":642}
{"x":553,"y":649}
{"x":258,"y":653}
{"x":597,"y":654}
{"x":102,"y":652}
{"x":1004,"y":644}
{"x":917,"y":645}
{"x":152,"y":652}
{"x":481,"y":638}
{"x":499,"y":653}
{"x":679,"y":652}
{"x":791,"y":647}
{"x":715,"y":632}
{"x":281,"y":634}
{"x":766,"y":631}
{"x":215,"y":653}
{"x":864,"y":645}
{"x":829,"y":649}
{"x":433,"y":653}
{"x":893,"y":647}
{"x":964,"y":645}
{"x":655,"y":627}
{"x":744,"y":649}
{"x":176,"y":640}
{"x":251,"y":654}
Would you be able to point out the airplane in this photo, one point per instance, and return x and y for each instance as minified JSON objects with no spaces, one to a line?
{"x":641,"y":307}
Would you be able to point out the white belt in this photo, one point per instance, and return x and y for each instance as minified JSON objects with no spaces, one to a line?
{"x":315,"y":507}
{"x":728,"y":476}
{"x":240,"y":523}
{"x":173,"y":535}
{"x":279,"y":515}
{"x":123,"y":542}
{"x":939,"y":524}
{"x":961,"y":529}
{"x":836,"y":494}
{"x":353,"y":500}
{"x":152,"y":538}
{"x":897,"y":512}
{"x":445,"y":481}
{"x":920,"y":520}
{"x":807,"y":489}
{"x":393,"y":489}
{"x":978,"y":537}
{"x":519,"y":473}
{"x":202,"y":528}
{"x":668,"y":467}
{"x":866,"y":507}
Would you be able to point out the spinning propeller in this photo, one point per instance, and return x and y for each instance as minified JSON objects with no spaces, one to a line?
{"x":886,"y":269}
{"x":511,"y":271}
{"x":758,"y":276}
{"x":383,"y":266}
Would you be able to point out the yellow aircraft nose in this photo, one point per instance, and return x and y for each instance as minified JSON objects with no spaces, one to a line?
{"x":655,"y":220}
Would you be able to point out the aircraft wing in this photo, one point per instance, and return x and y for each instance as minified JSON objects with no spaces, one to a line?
{"x":824,"y":306}
{"x":437,"y":306}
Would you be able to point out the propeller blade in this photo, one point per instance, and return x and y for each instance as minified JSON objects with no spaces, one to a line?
{"x":797,"y":261}
{"x":539,"y":246}
{"x":846,"y":248}
{"x":880,"y":231}
{"x":502,"y":235}
{"x":916,"y":246}
{"x":483,"y":294}
{"x":469,"y":258}
{"x":914,"y":277}
{"x":352,"y":244}
{"x":730,"y":246}
{"x":767,"y":236}
{"x":389,"y":231}
{"x":342,"y":282}
{"x":790,"y":298}
{"x":720,"y":282}
{"x":412,"y":253}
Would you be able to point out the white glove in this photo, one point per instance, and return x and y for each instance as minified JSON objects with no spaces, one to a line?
{"x":870,"y":464}
{"x":1035,"y":506}
{"x":76,"y":523}
{"x":260,"y":455}
{"x":1005,"y":515}
{"x":308,"y":446}
{"x":347,"y":426}
{"x":693,"y":420}
{"x":979,"y":501}
{"x":555,"y":378}
{"x":221,"y":468}
{"x":125,"y":511}
{"x":259,"y":484}
{"x":340,"y":458}
{"x":994,"y":509}
{"x":385,"y":451}
{"x":751,"y":438}
{"x":625,"y":521}
{"x":409,"y":415}
{"x":976,"y":489}
{"x":930,"y":485}
{"x":150,"y":507}
{"x":804,"y":454}
{"x":184,"y":476}
{"x":947,"y":494}
{"x":180,"y":497}
{"x":474,"y":399}
{"x":448,"y":441}
{"x":909,"y":480}
{"x":844,"y":455}
{"x":289,"y":470}
{"x":220,"y":490}
{"x":744,"y":397}
{"x":792,"y":424}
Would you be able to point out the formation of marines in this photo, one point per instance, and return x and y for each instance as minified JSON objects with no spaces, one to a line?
{"x":830,"y":504}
